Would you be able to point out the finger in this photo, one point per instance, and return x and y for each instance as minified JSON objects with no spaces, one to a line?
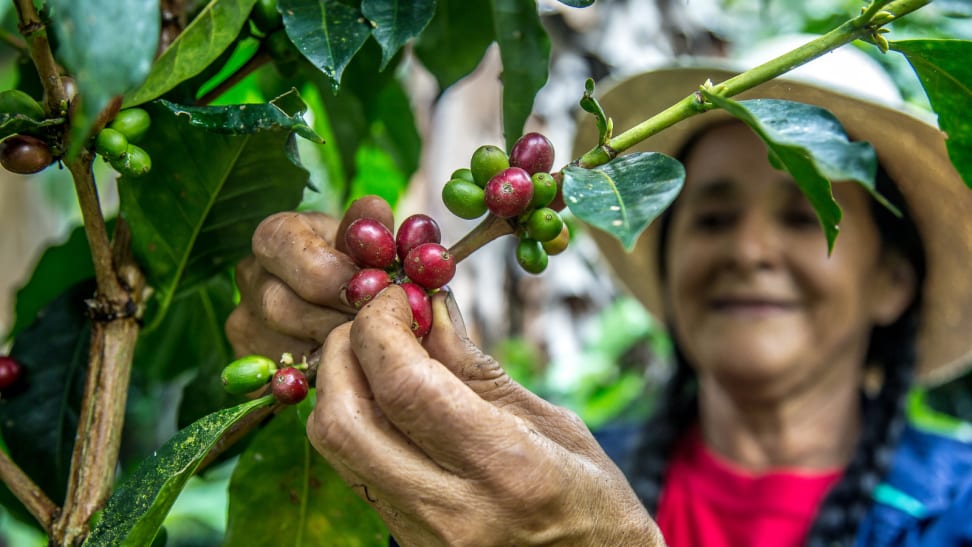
{"x":249,"y":336}
{"x":296,"y":248}
{"x":423,"y":399}
{"x":364,"y":207}
{"x":283,"y":311}
{"x":349,"y":429}
{"x":447,"y":342}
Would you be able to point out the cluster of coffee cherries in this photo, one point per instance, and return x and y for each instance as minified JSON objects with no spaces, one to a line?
{"x":117,"y":142}
{"x":518,"y":187}
{"x":288,"y":383}
{"x":412,"y":258}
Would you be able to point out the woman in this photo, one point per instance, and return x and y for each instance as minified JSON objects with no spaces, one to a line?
{"x":776,"y":429}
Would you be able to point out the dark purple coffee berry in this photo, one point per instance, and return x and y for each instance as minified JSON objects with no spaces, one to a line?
{"x":464,"y":199}
{"x":414,"y":231}
{"x":544,"y":224}
{"x":289,"y":385}
{"x":365,"y":285}
{"x":24,"y":154}
{"x":531,"y":256}
{"x":544,"y":189}
{"x":533,"y":152}
{"x":430,"y":265}
{"x":10,"y":372}
{"x":370,"y":243}
{"x":421,"y":305}
{"x":486,"y":161}
{"x":558,"y":244}
{"x":508,"y":194}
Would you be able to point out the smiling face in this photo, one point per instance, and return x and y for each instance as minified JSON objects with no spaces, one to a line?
{"x":753,"y":298}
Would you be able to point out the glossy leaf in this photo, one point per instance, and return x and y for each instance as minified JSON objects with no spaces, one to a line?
{"x":945,"y":73}
{"x":60,"y":267}
{"x":108,"y":46}
{"x":809,"y":143}
{"x":39,"y":421}
{"x":453,"y":43}
{"x":624,"y":195}
{"x":138,"y":506}
{"x":210,"y":185}
{"x":577,"y":3}
{"x":525,"y":52}
{"x":396,"y":22}
{"x":327,"y":32}
{"x":284,"y":493}
{"x":206,"y":37}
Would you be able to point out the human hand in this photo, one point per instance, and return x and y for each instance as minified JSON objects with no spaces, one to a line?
{"x":292,"y":286}
{"x":449,"y":450}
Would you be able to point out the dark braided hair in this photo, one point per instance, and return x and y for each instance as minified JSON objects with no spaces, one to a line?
{"x":892,"y":348}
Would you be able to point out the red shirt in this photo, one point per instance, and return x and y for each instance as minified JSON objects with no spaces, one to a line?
{"x":707,"y":501}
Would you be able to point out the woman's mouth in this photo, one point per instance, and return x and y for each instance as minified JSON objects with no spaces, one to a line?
{"x":751,"y":307}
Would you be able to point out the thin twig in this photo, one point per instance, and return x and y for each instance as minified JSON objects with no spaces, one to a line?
{"x":35,"y":33}
{"x":33,"y":498}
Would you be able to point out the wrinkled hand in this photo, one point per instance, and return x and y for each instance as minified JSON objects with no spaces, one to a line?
{"x":292,"y":287}
{"x":450,"y":451}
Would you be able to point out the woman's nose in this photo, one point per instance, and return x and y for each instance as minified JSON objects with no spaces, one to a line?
{"x":753,"y":242}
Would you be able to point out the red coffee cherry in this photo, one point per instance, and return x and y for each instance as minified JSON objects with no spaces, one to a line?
{"x":10,"y":372}
{"x":430,"y":265}
{"x":370,"y":243}
{"x":418,"y":300}
{"x":24,"y":154}
{"x":533,"y":152}
{"x":508,"y":194}
{"x":289,"y":386}
{"x":365,"y":285}
{"x":414,"y":231}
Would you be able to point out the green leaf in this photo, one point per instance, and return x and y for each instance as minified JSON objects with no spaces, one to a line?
{"x":194,"y":213}
{"x":945,"y":73}
{"x":396,"y":22}
{"x":39,"y":422}
{"x":577,"y":3}
{"x":284,"y":493}
{"x":624,"y":195}
{"x":454,"y":42}
{"x":20,"y":113}
{"x":811,"y":145}
{"x":327,"y":32}
{"x":138,"y":506}
{"x":525,"y":52}
{"x":208,"y":35}
{"x":108,"y":46}
{"x":60,"y":267}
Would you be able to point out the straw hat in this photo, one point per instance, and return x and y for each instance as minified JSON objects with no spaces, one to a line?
{"x":910,"y":149}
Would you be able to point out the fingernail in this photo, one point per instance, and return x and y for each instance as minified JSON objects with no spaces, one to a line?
{"x":455,"y":315}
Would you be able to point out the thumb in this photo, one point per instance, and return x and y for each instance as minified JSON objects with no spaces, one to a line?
{"x":364,"y":207}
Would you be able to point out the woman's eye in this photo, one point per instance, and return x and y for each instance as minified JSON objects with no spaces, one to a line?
{"x":713,"y":220}
{"x":801,"y":218}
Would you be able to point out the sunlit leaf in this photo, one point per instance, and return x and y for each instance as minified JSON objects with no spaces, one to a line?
{"x":108,"y":46}
{"x":138,"y":506}
{"x":211,"y":31}
{"x":946,"y":74}
{"x":284,"y":493}
{"x":327,"y":32}
{"x":396,"y":22}
{"x":624,"y":195}
{"x":525,"y":52}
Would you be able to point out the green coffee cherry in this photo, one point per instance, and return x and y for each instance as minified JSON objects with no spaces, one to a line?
{"x":132,"y":122}
{"x":135,"y":162}
{"x":544,"y":224}
{"x":531,"y":256}
{"x":544,"y":189}
{"x":486,"y":161}
{"x":247,"y":374}
{"x":463,"y":174}
{"x":464,"y":199}
{"x":558,"y":244}
{"x":111,"y":143}
{"x":266,"y":17}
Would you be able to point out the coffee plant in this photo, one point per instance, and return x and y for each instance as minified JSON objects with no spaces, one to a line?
{"x":197,"y":107}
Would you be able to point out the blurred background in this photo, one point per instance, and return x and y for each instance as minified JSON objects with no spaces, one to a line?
{"x":571,"y":333}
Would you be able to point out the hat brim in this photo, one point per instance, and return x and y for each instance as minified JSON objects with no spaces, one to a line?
{"x":911,"y":151}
